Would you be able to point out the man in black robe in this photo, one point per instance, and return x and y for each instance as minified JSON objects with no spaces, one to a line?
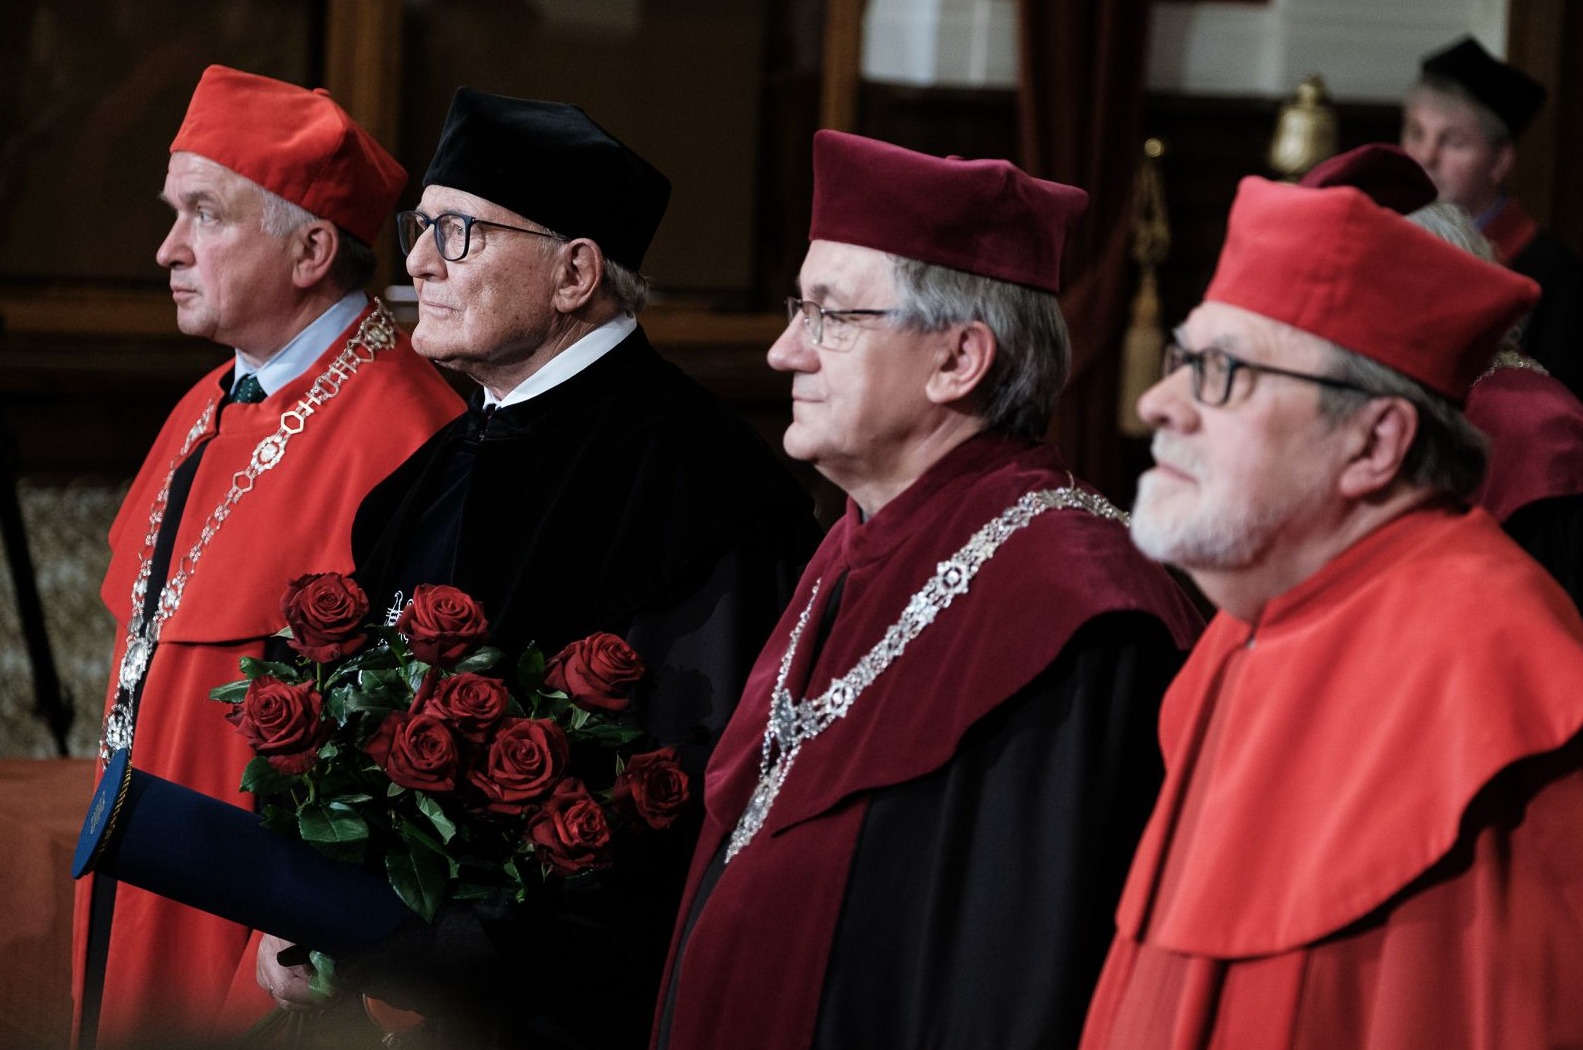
{"x":920,"y":816}
{"x":1461,"y":122}
{"x":591,"y":487}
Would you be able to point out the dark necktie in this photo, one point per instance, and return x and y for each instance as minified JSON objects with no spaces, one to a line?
{"x":247,"y":390}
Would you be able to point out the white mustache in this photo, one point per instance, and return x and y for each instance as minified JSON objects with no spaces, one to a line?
{"x":1168,"y":452}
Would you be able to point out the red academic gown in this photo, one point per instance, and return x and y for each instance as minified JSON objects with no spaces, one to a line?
{"x":884,"y":901}
{"x":1368,"y":834}
{"x":171,"y":970}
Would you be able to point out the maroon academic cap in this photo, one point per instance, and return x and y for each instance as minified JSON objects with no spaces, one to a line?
{"x":983,"y":216}
{"x":1385,"y":172}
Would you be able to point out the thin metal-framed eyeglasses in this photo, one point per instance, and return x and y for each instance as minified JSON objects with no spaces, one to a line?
{"x":1214,"y":371}
{"x":814,"y":316}
{"x":452,"y":232}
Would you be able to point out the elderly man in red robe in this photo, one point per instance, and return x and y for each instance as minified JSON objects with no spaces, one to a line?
{"x":919,"y":814}
{"x":1367,"y":833}
{"x":277,"y":196}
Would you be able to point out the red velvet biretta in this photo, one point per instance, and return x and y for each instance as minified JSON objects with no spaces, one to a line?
{"x":295,"y":143}
{"x":1333,"y":263}
{"x":982,"y":216}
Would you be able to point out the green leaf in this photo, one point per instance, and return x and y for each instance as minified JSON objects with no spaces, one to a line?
{"x":610,"y":734}
{"x":253,"y":668}
{"x":332,"y":822}
{"x":530,"y":670}
{"x":261,"y":778}
{"x":430,"y":807}
{"x":323,"y":983}
{"x":418,"y":874}
{"x":578,"y":718}
{"x":481,"y":660}
{"x":230,"y":693}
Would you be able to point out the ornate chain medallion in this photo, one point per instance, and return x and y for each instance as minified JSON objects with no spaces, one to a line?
{"x":793,"y":723}
{"x":376,"y":334}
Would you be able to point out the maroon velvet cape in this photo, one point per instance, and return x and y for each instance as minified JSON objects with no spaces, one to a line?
{"x":756,"y":955}
{"x":1535,"y":426}
{"x":1350,"y":849}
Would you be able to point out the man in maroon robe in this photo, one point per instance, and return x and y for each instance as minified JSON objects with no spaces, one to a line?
{"x":918,"y":815}
{"x":1366,"y":836}
{"x":277,"y":196}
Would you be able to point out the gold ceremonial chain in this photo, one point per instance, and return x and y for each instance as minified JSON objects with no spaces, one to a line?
{"x":377,"y":333}
{"x":792,"y":724}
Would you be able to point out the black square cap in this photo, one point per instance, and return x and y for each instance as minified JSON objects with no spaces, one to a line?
{"x":551,"y":164}
{"x":1505,"y":90}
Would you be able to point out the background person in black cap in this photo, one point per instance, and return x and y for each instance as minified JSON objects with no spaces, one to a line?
{"x":1461,"y":122}
{"x":592,"y":487}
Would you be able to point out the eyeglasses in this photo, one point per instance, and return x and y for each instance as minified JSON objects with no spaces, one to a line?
{"x":452,"y":232}
{"x":814,"y":317}
{"x":1214,"y":371}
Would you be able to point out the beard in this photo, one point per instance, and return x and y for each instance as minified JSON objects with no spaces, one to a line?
{"x":1205,"y":530}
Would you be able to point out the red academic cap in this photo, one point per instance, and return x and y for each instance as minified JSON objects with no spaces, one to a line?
{"x":1333,"y":263}
{"x":983,"y":216}
{"x":295,"y":143}
{"x":1386,"y":173}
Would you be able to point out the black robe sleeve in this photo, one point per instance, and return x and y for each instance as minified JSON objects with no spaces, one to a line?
{"x":981,"y":898}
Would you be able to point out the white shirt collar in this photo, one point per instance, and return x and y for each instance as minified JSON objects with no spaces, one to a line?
{"x":293,"y":359}
{"x":569,"y":362}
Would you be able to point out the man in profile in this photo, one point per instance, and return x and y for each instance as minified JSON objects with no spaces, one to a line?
{"x":591,"y":486}
{"x":1366,"y":837}
{"x":277,"y":197}
{"x":919,"y":816}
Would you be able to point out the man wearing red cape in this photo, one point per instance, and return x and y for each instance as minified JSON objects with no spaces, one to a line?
{"x":277,"y":196}
{"x":1366,"y":836}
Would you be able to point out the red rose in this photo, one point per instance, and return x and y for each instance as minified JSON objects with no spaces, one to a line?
{"x":442,"y":623}
{"x":597,"y":672}
{"x":281,"y":722}
{"x":654,"y":785}
{"x":470,"y":704}
{"x":569,"y":831}
{"x":415,"y":751}
{"x":325,"y":611}
{"x":524,"y":762}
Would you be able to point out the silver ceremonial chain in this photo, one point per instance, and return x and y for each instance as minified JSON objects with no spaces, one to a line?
{"x":792,"y":724}
{"x":377,"y":333}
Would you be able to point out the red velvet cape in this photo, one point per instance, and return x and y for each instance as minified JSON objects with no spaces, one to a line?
{"x":766,"y":928}
{"x":1318,"y":765}
{"x":170,"y":968}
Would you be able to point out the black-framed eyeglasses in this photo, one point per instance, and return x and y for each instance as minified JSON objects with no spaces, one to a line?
{"x":814,"y":316}
{"x":1214,"y":371}
{"x":452,"y":232}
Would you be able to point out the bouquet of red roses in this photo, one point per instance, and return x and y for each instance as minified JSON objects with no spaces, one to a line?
{"x":391,"y":746}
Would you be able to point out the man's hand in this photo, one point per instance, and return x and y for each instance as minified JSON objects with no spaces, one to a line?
{"x":289,"y":986}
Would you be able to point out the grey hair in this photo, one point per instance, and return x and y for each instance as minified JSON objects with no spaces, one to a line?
{"x":1494,"y":129}
{"x":354,"y":261}
{"x":1452,"y":223}
{"x":1033,"y":353}
{"x":1447,"y":453}
{"x":626,"y":286}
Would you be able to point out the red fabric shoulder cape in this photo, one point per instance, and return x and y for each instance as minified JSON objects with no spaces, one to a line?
{"x":1358,"y":724}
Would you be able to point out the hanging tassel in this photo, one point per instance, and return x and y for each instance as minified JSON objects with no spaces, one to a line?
{"x":1145,"y":339}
